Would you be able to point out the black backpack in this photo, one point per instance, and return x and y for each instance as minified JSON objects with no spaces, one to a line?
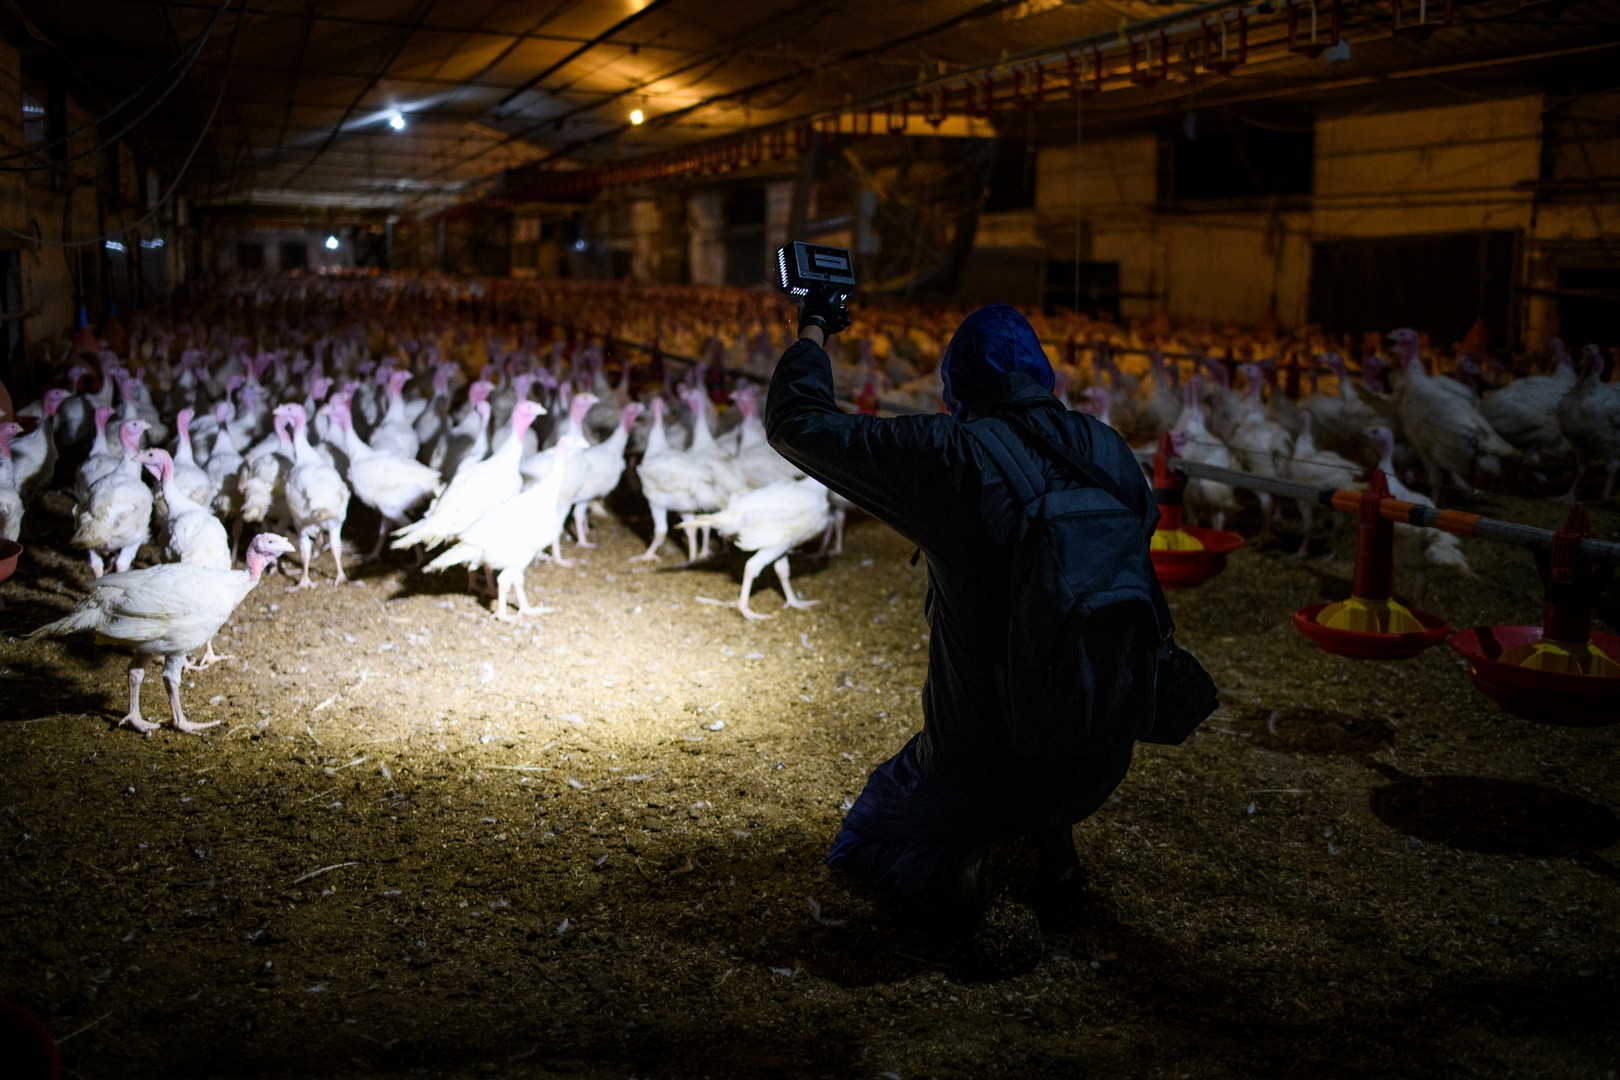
{"x":1089,"y":638}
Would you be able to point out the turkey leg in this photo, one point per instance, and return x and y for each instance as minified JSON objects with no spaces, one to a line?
{"x":137,"y":672}
{"x":793,"y":599}
{"x":751,"y":569}
{"x":660,"y":517}
{"x":172,"y":667}
{"x":305,"y":544}
{"x":336,"y":535}
{"x":579,"y":526}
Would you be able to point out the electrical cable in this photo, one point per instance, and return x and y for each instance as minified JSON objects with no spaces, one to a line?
{"x":208,"y":124}
{"x":193,"y":51}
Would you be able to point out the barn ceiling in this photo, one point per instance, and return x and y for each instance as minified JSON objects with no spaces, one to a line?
{"x":418,"y":104}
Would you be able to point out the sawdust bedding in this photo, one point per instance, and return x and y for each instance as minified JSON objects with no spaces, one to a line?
{"x":423,"y":843}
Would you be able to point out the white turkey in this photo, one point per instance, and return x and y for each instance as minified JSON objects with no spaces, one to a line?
{"x":11,"y":503}
{"x":170,"y":611}
{"x":317,"y":497}
{"x":513,"y":533}
{"x":192,"y":534}
{"x":475,"y":489}
{"x":468,"y":439}
{"x":105,"y":456}
{"x":698,"y":480}
{"x":389,"y":484}
{"x":755,"y":458}
{"x":396,"y":434}
{"x":1259,"y":444}
{"x":1442,"y":423}
{"x":770,"y":521}
{"x":116,"y":514}
{"x":1206,"y":500}
{"x":1525,"y":412}
{"x":597,"y":471}
{"x":1589,"y":415}
{"x":189,"y":477}
{"x":35,"y":453}
{"x":1319,"y":468}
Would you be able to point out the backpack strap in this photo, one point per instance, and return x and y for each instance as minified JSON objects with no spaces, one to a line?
{"x":1062,"y":456}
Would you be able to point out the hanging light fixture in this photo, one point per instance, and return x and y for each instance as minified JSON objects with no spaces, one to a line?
{"x":396,"y":120}
{"x":637,"y":116}
{"x":332,"y":242}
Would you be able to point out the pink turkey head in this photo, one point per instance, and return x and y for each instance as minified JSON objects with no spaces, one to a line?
{"x":182,"y":420}
{"x":479,"y":391}
{"x":54,"y":398}
{"x":130,"y":432}
{"x":523,"y":415}
{"x":631,"y":413}
{"x":157,"y":462}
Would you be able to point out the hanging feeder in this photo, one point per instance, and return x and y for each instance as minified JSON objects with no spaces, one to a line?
{"x":1183,"y":556}
{"x":1560,"y":672}
{"x":1371,"y":624}
{"x":1313,"y":45}
{"x":1420,"y":30}
{"x":1225,"y":60}
{"x":1147,"y":76}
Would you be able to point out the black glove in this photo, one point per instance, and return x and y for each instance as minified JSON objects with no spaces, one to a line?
{"x":824,"y":306}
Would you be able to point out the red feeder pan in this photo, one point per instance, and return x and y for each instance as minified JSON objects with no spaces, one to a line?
{"x":1545,"y":697}
{"x":1559,"y":672}
{"x":1363,"y":645}
{"x":10,"y":552}
{"x":1371,"y":625}
{"x":1184,"y":568}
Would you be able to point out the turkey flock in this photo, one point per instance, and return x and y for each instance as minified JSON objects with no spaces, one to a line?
{"x":483,"y":424}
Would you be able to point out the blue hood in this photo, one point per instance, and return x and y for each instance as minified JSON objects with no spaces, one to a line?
{"x":991,"y":343}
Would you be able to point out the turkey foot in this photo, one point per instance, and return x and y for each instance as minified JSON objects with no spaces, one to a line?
{"x":792,"y":599}
{"x":133,"y":718}
{"x":209,"y":658}
{"x":171,"y":682}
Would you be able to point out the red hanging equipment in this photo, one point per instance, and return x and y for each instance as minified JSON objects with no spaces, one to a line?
{"x":1420,"y":30}
{"x":889,"y":124}
{"x":1224,"y":62}
{"x":1313,"y":46}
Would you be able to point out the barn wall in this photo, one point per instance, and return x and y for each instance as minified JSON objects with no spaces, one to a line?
{"x":1460,"y":168}
{"x":102,"y":193}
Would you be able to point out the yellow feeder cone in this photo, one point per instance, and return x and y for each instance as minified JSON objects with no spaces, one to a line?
{"x":1175,"y":540}
{"x":1372,"y":608}
{"x":1367,"y":616}
{"x":1566,"y":647}
{"x":1562,"y":658}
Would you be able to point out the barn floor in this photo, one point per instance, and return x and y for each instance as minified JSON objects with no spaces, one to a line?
{"x":423,"y":843}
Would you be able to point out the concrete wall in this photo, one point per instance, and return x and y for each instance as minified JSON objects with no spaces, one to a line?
{"x":1439,"y":169}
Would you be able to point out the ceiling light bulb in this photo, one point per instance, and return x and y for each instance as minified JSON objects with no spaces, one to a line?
{"x":331,"y":243}
{"x":396,"y":120}
{"x":637,"y":116}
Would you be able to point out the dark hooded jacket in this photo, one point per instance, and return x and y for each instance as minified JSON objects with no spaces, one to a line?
{"x":937,"y":486}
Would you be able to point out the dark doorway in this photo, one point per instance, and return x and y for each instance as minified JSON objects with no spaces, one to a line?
{"x":1091,"y":288}
{"x":1440,"y":284}
{"x":249,"y":255}
{"x":1589,"y":306}
{"x":294,"y":255}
